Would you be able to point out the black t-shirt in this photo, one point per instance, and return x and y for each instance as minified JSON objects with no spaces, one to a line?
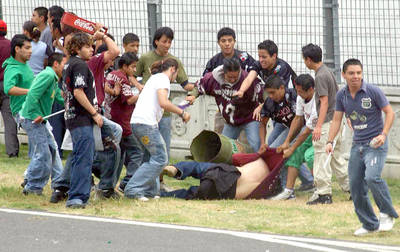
{"x":245,"y":61}
{"x":283,"y":112}
{"x":282,"y":69}
{"x":77,"y":75}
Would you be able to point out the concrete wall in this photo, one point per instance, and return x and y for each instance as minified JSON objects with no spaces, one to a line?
{"x":203,"y":114}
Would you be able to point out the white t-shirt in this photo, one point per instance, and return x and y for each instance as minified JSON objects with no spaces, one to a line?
{"x":147,"y":110}
{"x":308,"y":110}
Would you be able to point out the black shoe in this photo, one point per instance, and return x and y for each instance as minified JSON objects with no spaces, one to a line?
{"x":107,"y":194}
{"x":14,"y":155}
{"x":322,"y":199}
{"x":306,"y":188}
{"x":121,"y":187}
{"x":23,"y":184}
{"x":57,"y":196}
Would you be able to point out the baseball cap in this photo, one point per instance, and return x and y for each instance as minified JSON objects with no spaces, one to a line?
{"x":3,"y":26}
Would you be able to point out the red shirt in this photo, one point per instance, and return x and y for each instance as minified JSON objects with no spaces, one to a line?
{"x":96,"y":65}
{"x":121,"y":111}
{"x":5,"y":48}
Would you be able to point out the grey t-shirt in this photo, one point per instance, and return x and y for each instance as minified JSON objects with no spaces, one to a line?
{"x":325,"y":85}
{"x":46,"y":37}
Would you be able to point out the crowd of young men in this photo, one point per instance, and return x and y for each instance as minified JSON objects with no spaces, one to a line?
{"x":100,"y":89}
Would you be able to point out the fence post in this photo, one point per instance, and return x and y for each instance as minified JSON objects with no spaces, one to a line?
{"x":154,"y":16}
{"x":1,"y":9}
{"x":331,"y":36}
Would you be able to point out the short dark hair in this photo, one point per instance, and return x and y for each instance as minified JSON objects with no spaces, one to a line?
{"x":231,"y":65}
{"x":162,"y":65}
{"x":269,"y":46}
{"x":54,"y":57}
{"x":168,"y":32}
{"x":32,"y":29}
{"x":351,"y":61}
{"x":18,"y":40}
{"x":42,"y":12}
{"x":306,"y":81}
{"x":56,"y":11}
{"x":313,"y":52}
{"x":127,"y":59}
{"x":226,"y":31}
{"x":274,"y":81}
{"x":130,"y":38}
{"x":57,"y":24}
{"x":77,"y":41}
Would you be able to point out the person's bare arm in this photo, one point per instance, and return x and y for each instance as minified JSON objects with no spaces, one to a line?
{"x":17,"y":91}
{"x":133,"y":99}
{"x":323,"y":110}
{"x":334,"y":129}
{"x":81,"y":97}
{"x":263,"y":133}
{"x":300,"y":139}
{"x":112,"y":48}
{"x":246,"y":83}
{"x":162,"y":95}
{"x":295,"y":127}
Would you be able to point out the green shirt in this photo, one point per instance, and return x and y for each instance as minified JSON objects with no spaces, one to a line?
{"x":147,"y":59}
{"x":44,"y":90}
{"x":16,"y":74}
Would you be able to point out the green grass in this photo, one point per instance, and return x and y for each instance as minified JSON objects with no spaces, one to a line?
{"x":336,"y":221}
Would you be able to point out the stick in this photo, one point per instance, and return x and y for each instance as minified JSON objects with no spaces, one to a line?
{"x":333,"y":147}
{"x":56,"y":113}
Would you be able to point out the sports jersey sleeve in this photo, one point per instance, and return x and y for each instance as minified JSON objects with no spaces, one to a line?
{"x":256,"y":66}
{"x":339,"y":101}
{"x":209,"y":67}
{"x":266,"y":110}
{"x":96,"y":63}
{"x":79,"y":78}
{"x":126,"y":92}
{"x":206,"y":85}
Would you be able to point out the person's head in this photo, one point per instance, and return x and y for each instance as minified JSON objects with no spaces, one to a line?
{"x":39,"y":16}
{"x":275,"y":88}
{"x":353,"y":73}
{"x":226,"y":40}
{"x":80,"y":45}
{"x":57,"y":62}
{"x":31,"y":30}
{"x":130,"y":42}
{"x":162,"y":40}
{"x":231,"y":69}
{"x":127,"y":63}
{"x":267,"y":54}
{"x":168,"y":66}
{"x":312,"y":54}
{"x":304,"y":84}
{"x":21,"y":48}
{"x":55,"y":28}
{"x":55,"y":12}
{"x":3,"y":28}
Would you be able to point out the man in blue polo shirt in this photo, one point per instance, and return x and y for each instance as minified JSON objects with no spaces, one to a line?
{"x":363,"y":104}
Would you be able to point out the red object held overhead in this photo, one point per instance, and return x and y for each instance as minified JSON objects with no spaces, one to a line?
{"x":80,"y":23}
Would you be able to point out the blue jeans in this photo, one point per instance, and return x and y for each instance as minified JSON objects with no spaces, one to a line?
{"x":164,"y":126}
{"x":81,"y":165}
{"x":278,"y":129}
{"x":144,"y":182}
{"x":305,"y":175}
{"x":365,"y":169}
{"x":251,"y":129}
{"x":45,"y":160}
{"x":132,"y":154}
{"x":186,"y":169}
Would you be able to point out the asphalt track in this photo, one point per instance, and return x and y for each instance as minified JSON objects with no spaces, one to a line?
{"x":42,"y":231}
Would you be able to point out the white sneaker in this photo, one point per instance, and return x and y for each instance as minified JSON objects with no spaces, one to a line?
{"x":143,"y":199}
{"x":287,"y":194}
{"x":156,"y":197}
{"x":362,"y":231}
{"x":385,"y":222}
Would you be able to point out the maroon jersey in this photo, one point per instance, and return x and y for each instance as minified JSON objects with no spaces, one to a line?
{"x":96,"y":65}
{"x":120,"y":110}
{"x":236,"y":111}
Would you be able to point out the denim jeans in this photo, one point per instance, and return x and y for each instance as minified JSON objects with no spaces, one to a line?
{"x":81,"y":165}
{"x":251,"y":129}
{"x":45,"y":160}
{"x":278,"y":129}
{"x":365,"y":169}
{"x":144,"y":181}
{"x":132,"y":155}
{"x":164,"y":126}
{"x":305,"y":175}
{"x":191,"y":168}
